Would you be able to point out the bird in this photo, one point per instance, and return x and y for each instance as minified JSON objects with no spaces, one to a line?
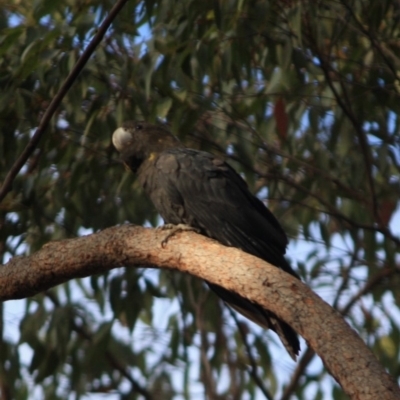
{"x":202,"y":191}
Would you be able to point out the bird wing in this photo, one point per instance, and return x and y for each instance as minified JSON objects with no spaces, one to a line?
{"x":216,"y":199}
{"x":202,"y":191}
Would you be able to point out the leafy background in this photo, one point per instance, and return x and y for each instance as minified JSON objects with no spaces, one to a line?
{"x":301,"y":97}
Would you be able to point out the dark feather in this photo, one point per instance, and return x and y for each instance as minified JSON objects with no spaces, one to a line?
{"x":198,"y":189}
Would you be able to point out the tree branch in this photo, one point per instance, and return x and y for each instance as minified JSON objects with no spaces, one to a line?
{"x":345,"y":105}
{"x":374,"y":41}
{"x":308,"y":356}
{"x":83,"y":59}
{"x":303,"y":363}
{"x":345,"y":355}
{"x":252,"y":361}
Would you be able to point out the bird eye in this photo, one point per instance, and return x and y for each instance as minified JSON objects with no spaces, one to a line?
{"x":139,"y":127}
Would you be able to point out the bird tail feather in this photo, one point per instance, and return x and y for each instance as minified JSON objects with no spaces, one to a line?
{"x":264,"y":318}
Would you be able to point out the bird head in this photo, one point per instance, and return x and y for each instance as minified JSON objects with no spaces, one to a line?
{"x":138,"y":141}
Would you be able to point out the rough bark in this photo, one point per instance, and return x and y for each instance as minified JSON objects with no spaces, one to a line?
{"x":345,"y":355}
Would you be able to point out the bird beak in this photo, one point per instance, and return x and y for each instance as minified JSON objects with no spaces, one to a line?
{"x":121,"y":138}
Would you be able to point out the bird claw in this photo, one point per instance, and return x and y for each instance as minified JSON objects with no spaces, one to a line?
{"x":175,"y":229}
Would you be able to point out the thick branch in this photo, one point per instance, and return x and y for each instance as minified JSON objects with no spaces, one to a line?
{"x":343,"y":352}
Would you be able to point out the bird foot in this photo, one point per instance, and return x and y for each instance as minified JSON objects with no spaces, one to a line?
{"x":175,"y":229}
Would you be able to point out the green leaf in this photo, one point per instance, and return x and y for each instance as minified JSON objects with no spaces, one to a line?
{"x":163,"y":107}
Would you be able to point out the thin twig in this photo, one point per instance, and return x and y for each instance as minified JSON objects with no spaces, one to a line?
{"x":206,"y":375}
{"x":110,"y":357}
{"x":27,"y":152}
{"x":253,"y":364}
{"x":185,"y":330}
{"x":345,"y":281}
{"x":373,"y":41}
{"x":365,"y":150}
{"x":298,"y":373}
{"x":346,"y":108}
{"x":374,"y":281}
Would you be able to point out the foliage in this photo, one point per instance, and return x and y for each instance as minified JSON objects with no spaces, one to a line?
{"x":301,"y":96}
